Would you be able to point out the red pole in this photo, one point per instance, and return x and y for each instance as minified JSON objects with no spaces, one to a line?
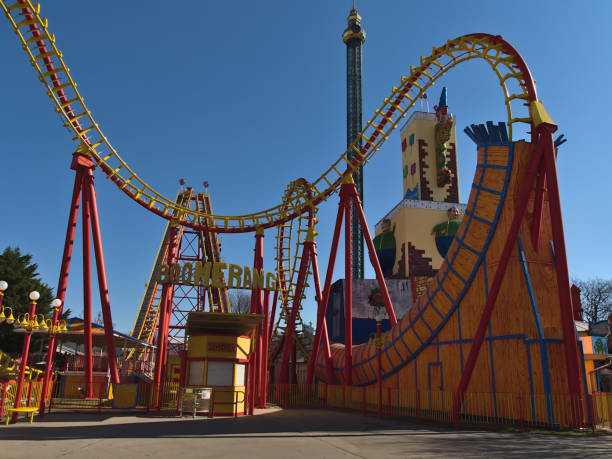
{"x":372,"y":253}
{"x":102,"y":284}
{"x":24,"y":358}
{"x":485,"y":317}
{"x":88,"y":367}
{"x":62,"y":283}
{"x":321,"y":330}
{"x":252,"y":370}
{"x":181,"y":380}
{"x":29,"y":397}
{"x":563,"y":281}
{"x":256,"y":307}
{"x":363,"y":400}
{"x":272,"y":315}
{"x":348,"y":288}
{"x":379,"y":368}
{"x":162,"y":335}
{"x":265,"y":350}
{"x":4,"y":391}
{"x":299,"y":288}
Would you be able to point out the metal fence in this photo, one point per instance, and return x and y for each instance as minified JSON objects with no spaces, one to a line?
{"x":30,"y":395}
{"x":510,"y":409}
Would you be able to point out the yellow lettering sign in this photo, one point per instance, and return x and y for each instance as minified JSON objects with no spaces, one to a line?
{"x":270,"y":281}
{"x":258,"y":279}
{"x":246,"y":280}
{"x":217,"y":274}
{"x":187,"y":273}
{"x":202,"y":274}
{"x":234,"y":274}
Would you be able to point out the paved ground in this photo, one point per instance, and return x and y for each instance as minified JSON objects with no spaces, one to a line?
{"x":274,"y":434}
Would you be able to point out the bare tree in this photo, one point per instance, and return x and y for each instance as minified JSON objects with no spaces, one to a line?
{"x":240,"y":301}
{"x":596,"y":296}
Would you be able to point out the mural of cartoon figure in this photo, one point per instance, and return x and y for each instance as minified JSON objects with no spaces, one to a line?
{"x":384,"y":244}
{"x":445,"y":231}
{"x":443,"y":133}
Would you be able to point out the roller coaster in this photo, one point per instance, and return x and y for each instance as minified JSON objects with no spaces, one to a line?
{"x":499,"y":285}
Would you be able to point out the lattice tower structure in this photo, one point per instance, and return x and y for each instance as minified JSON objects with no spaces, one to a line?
{"x":354,"y":37}
{"x":193,"y":246}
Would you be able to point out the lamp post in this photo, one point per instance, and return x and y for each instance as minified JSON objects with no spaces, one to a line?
{"x":3,"y":287}
{"x":29,"y":324}
{"x":3,"y":317}
{"x":53,"y":330}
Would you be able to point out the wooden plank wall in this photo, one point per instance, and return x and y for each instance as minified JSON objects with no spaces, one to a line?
{"x":429,"y":346}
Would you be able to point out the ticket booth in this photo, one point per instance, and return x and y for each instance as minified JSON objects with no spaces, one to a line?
{"x":218,"y":348}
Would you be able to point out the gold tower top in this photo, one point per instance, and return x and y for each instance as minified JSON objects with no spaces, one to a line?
{"x":354,"y":29}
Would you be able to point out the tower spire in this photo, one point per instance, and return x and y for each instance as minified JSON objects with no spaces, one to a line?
{"x":354,"y":37}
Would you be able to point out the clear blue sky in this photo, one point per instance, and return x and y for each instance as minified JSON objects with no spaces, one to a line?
{"x":251,"y":95}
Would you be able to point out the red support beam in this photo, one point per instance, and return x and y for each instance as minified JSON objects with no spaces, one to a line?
{"x":561,"y":268}
{"x":164,"y":319}
{"x":321,"y":325}
{"x":345,"y":197}
{"x":372,"y":253}
{"x":88,"y":367}
{"x":283,"y":377}
{"x":263,"y":378}
{"x":257,"y":308}
{"x":88,"y":188}
{"x":62,"y":283}
{"x":273,"y":315}
{"x":321,"y":331}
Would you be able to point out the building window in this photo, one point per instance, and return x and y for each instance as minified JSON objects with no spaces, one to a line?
{"x":413,"y":169}
{"x":403,"y":144}
{"x":411,"y":139}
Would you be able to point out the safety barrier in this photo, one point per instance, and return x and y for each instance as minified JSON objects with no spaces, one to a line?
{"x":235,"y":402}
{"x":169,"y":397}
{"x":521,"y":410}
{"x":30,"y":395}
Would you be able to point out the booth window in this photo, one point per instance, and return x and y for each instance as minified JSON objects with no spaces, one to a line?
{"x":220,"y":374}
{"x":240,"y":374}
{"x":196,"y":373}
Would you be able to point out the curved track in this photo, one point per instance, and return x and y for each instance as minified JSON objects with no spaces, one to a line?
{"x":46,"y":58}
{"x":288,"y":264}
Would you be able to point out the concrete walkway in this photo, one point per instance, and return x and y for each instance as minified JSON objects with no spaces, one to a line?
{"x":274,"y":433}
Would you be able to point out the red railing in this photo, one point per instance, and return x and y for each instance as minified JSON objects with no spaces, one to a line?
{"x":236,"y":400}
{"x":520,"y":410}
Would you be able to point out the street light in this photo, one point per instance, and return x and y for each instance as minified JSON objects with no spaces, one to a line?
{"x":53,"y":328}
{"x":29,"y":326}
{"x":3,"y":287}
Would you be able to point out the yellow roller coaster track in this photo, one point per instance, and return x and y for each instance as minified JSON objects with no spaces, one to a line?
{"x":287,"y":269}
{"x":514,"y":77}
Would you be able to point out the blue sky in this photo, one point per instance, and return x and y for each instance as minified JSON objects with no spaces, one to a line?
{"x":251,"y":95}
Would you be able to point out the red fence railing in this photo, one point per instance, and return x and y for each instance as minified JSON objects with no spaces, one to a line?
{"x":521,"y":410}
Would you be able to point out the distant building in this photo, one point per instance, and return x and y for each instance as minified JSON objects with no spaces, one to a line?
{"x":430,"y":187}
